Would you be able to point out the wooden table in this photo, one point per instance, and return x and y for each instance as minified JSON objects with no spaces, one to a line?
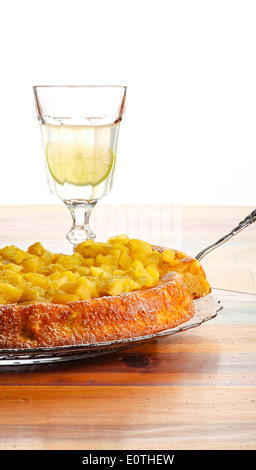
{"x":192,"y":390}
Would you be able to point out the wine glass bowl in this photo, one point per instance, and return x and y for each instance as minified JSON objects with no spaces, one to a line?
{"x":80,"y":128}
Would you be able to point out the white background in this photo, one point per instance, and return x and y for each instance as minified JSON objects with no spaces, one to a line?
{"x":189,"y":132}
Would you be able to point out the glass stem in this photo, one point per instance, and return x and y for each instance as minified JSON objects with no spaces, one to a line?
{"x":80,"y":212}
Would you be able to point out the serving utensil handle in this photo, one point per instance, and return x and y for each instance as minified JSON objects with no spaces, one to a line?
{"x":241,"y":226}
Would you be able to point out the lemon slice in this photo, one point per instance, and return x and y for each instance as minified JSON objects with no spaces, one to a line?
{"x":79,"y":165}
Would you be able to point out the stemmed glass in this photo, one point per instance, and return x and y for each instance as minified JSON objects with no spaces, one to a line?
{"x":80,"y":128}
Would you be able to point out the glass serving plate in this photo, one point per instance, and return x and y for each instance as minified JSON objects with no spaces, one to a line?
{"x":206,"y":308}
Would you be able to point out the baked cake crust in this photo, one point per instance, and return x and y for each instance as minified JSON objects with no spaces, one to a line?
{"x":108,"y":318}
{"x":140,"y":312}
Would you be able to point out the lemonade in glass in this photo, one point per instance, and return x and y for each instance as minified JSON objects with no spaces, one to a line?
{"x":80,"y":129}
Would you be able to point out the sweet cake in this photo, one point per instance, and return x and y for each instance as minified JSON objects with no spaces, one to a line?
{"x":102,"y":292}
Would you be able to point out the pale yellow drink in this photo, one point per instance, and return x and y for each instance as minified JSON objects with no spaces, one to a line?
{"x":80,"y":160}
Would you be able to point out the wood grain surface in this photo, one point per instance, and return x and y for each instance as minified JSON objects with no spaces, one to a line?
{"x":192,"y":390}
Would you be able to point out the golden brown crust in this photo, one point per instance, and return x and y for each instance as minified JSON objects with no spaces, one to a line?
{"x":102,"y":319}
{"x":192,"y":273}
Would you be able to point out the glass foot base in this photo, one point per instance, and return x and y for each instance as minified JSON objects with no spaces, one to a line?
{"x":79,"y":234}
{"x":80,"y":212}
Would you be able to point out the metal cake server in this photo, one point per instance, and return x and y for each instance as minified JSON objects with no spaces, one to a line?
{"x":241,"y":226}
